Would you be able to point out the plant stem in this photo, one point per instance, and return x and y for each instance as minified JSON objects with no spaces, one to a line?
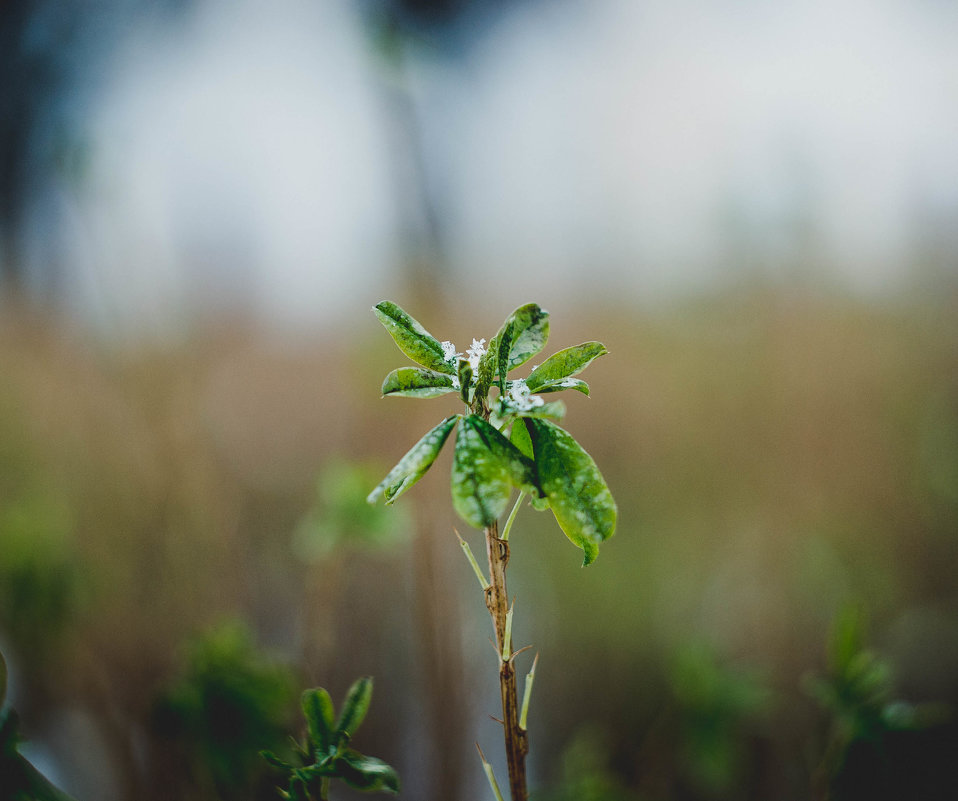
{"x":497,"y":602}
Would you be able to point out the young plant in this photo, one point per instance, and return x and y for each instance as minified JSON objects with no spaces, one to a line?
{"x":326,"y":753}
{"x":504,"y":442}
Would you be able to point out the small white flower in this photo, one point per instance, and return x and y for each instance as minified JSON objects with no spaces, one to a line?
{"x":476,"y":352}
{"x":449,"y":352}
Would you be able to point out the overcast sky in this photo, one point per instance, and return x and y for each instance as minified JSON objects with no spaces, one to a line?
{"x":249,"y":153}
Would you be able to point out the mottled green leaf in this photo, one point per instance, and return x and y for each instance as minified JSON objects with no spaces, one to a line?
{"x":486,"y":371}
{"x":577,"y":493}
{"x":553,"y":411}
{"x":566,"y":383}
{"x":355,"y":706}
{"x":417,"y":382}
{"x":465,"y":379}
{"x":413,"y":340}
{"x":414,"y":464}
{"x":530,"y":332}
{"x":564,"y":364}
{"x":520,"y":468}
{"x":523,"y":335}
{"x":367,"y":773}
{"x":519,"y":436}
{"x":481,"y":480}
{"x":319,"y":713}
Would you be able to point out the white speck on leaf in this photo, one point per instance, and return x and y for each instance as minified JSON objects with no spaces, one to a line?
{"x":522,"y":398}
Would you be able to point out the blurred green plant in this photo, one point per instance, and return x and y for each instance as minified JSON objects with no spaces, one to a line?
{"x":325,"y":753}
{"x":856,"y":694}
{"x":502,"y":443}
{"x":715,"y":704}
{"x":19,"y":780}
{"x":586,"y":774}
{"x":230,"y":701}
{"x":340,"y":515}
{"x":41,"y":587}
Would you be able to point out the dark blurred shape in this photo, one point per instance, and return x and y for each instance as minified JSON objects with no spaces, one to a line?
{"x":51,"y":58}
{"x":586,"y":773}
{"x":717,"y":706}
{"x":877,"y":747}
{"x":19,"y":780}
{"x":230,"y":701}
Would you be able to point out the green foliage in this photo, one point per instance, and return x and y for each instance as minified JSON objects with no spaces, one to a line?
{"x":578,"y":495}
{"x":417,"y":382}
{"x":230,"y":701}
{"x":715,"y":705}
{"x":856,"y":694}
{"x":586,"y":774}
{"x":414,"y":464}
{"x":508,"y":441}
{"x":326,"y":754}
{"x":413,"y":340}
{"x":41,"y":588}
{"x":340,"y":515}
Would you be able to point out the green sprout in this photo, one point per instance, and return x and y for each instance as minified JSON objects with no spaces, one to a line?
{"x":506,"y":440}
{"x":326,"y":753}
{"x":537,"y":457}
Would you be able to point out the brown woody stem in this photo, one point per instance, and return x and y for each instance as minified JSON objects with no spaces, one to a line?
{"x":497,"y":602}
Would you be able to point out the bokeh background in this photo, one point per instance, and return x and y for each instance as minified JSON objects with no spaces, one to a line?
{"x":754,"y":206}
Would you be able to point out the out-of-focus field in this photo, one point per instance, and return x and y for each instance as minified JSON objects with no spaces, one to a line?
{"x":183,"y":529}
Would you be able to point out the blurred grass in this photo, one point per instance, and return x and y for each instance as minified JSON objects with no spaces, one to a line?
{"x":775,"y":454}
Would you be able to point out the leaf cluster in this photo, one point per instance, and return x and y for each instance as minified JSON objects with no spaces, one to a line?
{"x":508,"y":438}
{"x":325,"y":754}
{"x":857,"y":695}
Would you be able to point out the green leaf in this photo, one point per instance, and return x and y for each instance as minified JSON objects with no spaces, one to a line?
{"x":564,"y":364}
{"x":417,"y":382}
{"x":355,"y":706}
{"x":367,"y":773}
{"x":519,"y":436}
{"x":481,"y":480}
{"x":523,"y":335}
{"x":414,"y":464}
{"x":465,"y":379}
{"x":3,"y":681}
{"x":319,"y":713}
{"x":413,"y":340}
{"x":520,"y":468}
{"x":553,"y":411}
{"x":486,"y":371}
{"x":577,"y":493}
{"x":566,"y":383}
{"x":276,"y":762}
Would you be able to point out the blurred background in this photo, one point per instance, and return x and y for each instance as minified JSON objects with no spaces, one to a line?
{"x":754,"y":206}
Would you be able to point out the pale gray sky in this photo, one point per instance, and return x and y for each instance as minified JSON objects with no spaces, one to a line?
{"x":636,"y":142}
